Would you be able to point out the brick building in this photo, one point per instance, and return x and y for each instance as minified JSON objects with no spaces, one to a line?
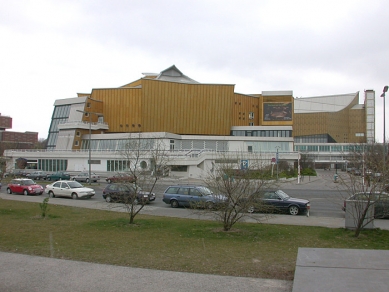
{"x":15,"y":140}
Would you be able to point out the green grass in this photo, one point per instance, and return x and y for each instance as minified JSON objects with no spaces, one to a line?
{"x":251,"y":250}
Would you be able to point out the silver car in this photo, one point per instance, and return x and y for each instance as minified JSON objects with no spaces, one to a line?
{"x":68,"y":188}
{"x":84,"y":177}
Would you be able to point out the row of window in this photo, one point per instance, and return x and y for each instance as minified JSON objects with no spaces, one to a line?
{"x":118,"y":144}
{"x":331,"y":148}
{"x":123,"y":165}
{"x":52,"y":165}
{"x":60,"y":115}
{"x":262,"y":133}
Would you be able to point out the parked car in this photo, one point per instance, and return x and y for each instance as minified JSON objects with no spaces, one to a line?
{"x":121,"y":177}
{"x":24,"y":186}
{"x":60,"y":175}
{"x":380,"y":201}
{"x":191,"y":195}
{"x":38,"y":175}
{"x":84,"y":177}
{"x":126,"y":193}
{"x":16,"y":173}
{"x":69,"y":188}
{"x":275,"y":201}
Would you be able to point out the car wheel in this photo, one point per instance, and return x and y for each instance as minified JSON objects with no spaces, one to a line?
{"x":174,"y":203}
{"x":51,"y":194}
{"x":25,"y":192}
{"x":293,"y":210}
{"x":250,"y":209}
{"x":9,"y":191}
{"x":74,"y":196}
{"x":108,"y":199}
{"x":209,"y":205}
{"x":87,"y":180}
{"x":74,"y":178}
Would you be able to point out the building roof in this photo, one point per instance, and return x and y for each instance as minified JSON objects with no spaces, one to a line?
{"x":174,"y":75}
{"x":320,"y":104}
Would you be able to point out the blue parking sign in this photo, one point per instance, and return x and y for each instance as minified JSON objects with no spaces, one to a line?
{"x":244,"y":164}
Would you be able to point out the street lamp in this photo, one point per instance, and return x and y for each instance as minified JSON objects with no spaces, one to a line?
{"x":277,"y":147}
{"x":298,"y":168}
{"x":89,"y":144}
{"x":383,"y":95}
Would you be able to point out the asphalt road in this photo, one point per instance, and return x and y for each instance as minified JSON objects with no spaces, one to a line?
{"x":324,"y":203}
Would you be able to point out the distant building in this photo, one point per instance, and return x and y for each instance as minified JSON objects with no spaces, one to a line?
{"x":15,"y":140}
{"x":197,"y":121}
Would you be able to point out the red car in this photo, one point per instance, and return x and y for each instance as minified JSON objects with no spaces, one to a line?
{"x":121,"y":178}
{"x":24,"y":186}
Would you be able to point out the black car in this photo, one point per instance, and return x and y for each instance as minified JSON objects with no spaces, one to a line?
{"x":275,"y":201}
{"x":126,"y":193}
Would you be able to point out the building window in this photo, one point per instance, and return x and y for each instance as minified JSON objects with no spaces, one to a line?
{"x":359,"y":134}
{"x":251,"y":124}
{"x":87,"y":114}
{"x":78,"y":134}
{"x":76,"y":143}
{"x":180,"y":168}
{"x":251,"y":115}
{"x":88,"y":104}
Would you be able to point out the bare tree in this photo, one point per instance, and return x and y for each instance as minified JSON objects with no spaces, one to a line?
{"x":234,"y":179}
{"x":146,"y":161}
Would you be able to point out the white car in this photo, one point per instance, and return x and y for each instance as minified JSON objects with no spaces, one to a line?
{"x":68,"y":188}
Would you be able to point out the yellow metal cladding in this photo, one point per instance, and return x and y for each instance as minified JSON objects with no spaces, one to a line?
{"x":192,"y":109}
{"x":133,"y":84}
{"x":121,"y":107}
{"x":242,"y":106}
{"x":182,"y":108}
{"x":342,"y":125}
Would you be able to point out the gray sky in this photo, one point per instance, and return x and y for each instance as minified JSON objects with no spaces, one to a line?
{"x":52,"y":49}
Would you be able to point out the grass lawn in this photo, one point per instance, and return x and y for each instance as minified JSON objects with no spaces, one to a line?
{"x":250,"y":250}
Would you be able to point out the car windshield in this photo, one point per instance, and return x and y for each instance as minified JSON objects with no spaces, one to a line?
{"x":133,"y":188}
{"x":282,"y":194}
{"x":75,"y":185}
{"x":28,"y":182}
{"x":205,"y":191}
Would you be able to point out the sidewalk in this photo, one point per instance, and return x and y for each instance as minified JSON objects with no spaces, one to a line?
{"x":38,"y":274}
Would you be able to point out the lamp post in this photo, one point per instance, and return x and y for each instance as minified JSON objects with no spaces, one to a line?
{"x":298,"y":168}
{"x":277,"y":147}
{"x":89,"y":144}
{"x":384,"y":146}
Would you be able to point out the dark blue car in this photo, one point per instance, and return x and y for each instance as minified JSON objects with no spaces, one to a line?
{"x":190,"y":196}
{"x":275,"y":201}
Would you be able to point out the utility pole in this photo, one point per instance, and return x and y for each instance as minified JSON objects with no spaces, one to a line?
{"x":89,"y":144}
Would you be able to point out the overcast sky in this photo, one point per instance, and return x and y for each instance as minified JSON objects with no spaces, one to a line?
{"x":52,"y":49}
